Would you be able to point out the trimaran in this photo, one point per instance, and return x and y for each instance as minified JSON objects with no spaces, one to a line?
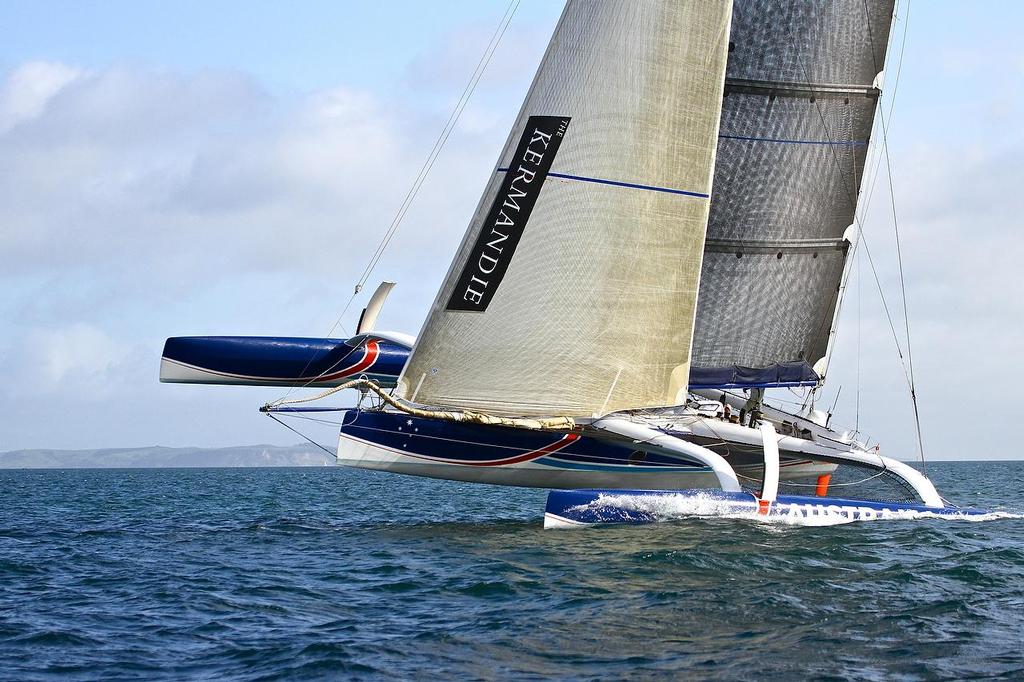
{"x":665,"y":236}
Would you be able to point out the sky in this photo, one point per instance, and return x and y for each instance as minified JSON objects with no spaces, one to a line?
{"x":228,"y":168}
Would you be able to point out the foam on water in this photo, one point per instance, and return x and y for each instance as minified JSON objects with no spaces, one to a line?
{"x":677,"y":506}
{"x":667,"y":506}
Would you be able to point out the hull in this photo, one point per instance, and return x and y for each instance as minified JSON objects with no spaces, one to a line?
{"x":574,"y":508}
{"x":399,"y":443}
{"x":281,"y":361}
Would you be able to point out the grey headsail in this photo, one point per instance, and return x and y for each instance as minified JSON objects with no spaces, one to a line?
{"x":799,"y":104}
{"x":574,"y":290}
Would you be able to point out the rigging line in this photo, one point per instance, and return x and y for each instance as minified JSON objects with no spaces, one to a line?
{"x":856,"y":426}
{"x":833,"y":333}
{"x":326,"y":422}
{"x":777,"y":399}
{"x":896,"y":226}
{"x":871,"y":38}
{"x":815,"y":485}
{"x":892,"y":106}
{"x":903,"y":286}
{"x":862,"y":239}
{"x":881,"y":295}
{"x":723,"y":442}
{"x":899,"y":64}
{"x":428,"y":164}
{"x":301,"y":435}
{"x":851,"y":198}
{"x":853,"y":203}
{"x":836,"y":401}
{"x":485,"y":59}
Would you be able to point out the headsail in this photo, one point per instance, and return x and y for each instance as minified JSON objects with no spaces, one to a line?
{"x":797,"y":114}
{"x":573,"y":292}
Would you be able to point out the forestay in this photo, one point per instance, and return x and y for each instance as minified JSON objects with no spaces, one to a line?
{"x":574,"y":290}
{"x":796,"y":118}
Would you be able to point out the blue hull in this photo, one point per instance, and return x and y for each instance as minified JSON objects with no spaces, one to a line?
{"x":279,"y":361}
{"x":567,"y":508}
{"x":390,"y":441}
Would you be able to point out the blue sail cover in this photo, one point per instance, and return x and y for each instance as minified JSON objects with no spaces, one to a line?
{"x":778,"y":375}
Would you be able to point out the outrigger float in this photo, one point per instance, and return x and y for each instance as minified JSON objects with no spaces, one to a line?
{"x":665,"y":237}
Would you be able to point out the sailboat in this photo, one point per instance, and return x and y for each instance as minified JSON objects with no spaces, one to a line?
{"x":664,"y":238}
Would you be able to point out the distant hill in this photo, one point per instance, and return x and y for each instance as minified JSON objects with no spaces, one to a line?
{"x":156,"y":457}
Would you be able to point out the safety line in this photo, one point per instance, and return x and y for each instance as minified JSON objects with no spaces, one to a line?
{"x":428,"y":164}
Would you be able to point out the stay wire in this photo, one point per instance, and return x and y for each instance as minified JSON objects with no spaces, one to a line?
{"x":301,"y":435}
{"x":903,"y":291}
{"x":856,"y":426}
{"x":896,"y":226}
{"x":424,"y":171}
{"x":453,"y":119}
{"x":852,"y":199}
{"x":892,"y":106}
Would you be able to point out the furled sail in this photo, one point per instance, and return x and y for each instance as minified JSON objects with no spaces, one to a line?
{"x":796,"y":117}
{"x":574,"y":290}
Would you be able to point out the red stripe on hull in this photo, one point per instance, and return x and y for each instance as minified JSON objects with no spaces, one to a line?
{"x":369,"y":357}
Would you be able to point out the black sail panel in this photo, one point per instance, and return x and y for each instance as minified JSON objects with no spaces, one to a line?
{"x":797,"y":114}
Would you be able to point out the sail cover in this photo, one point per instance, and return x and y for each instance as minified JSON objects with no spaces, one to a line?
{"x":796,"y":117}
{"x":574,"y":290}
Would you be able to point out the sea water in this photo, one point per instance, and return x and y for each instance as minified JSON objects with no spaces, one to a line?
{"x":304,"y":573}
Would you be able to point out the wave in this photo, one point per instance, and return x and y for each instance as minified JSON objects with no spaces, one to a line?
{"x":678,"y":506}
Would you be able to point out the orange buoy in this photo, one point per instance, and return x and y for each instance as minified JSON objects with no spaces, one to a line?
{"x":822,"y":489}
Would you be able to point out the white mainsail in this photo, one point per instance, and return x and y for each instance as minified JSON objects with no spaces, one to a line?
{"x":574,"y":290}
{"x":800,"y":100}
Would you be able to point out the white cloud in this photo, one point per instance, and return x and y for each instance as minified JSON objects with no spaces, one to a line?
{"x":29,"y":88}
{"x":137,"y":203}
{"x":170,"y":175}
{"x":78,"y":357}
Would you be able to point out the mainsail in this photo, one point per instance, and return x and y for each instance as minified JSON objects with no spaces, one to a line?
{"x":574,"y":290}
{"x":800,"y":98}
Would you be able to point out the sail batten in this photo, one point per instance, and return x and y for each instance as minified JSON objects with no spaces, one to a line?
{"x":594,"y":310}
{"x":799,"y":102}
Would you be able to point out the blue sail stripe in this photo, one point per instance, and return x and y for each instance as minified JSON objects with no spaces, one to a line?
{"x":628,"y":185}
{"x":855,"y":143}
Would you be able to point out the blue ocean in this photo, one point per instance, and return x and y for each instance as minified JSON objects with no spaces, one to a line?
{"x":309,"y":573}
